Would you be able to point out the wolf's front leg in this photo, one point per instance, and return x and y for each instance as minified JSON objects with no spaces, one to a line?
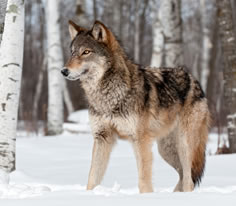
{"x":103,"y":143}
{"x":143,"y":152}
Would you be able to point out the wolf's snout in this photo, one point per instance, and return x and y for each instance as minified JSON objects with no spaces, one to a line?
{"x":65,"y":72}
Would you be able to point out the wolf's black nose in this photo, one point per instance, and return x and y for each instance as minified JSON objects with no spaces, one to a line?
{"x":65,"y":72}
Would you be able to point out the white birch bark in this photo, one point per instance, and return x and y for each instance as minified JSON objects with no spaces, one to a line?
{"x":170,"y":17}
{"x":206,"y":46}
{"x":158,"y":43}
{"x":11,"y":56}
{"x":55,"y":63}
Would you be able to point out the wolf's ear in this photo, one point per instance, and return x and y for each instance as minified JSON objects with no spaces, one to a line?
{"x":74,"y":29}
{"x":100,"y":32}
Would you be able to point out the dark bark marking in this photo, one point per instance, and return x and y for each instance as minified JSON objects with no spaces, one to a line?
{"x":15,"y":64}
{"x":14,"y":80}
{"x":4,"y":107}
{"x":14,"y":19}
{"x":9,"y":95}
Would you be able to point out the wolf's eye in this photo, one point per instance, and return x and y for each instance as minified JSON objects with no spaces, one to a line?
{"x":86,"y":52}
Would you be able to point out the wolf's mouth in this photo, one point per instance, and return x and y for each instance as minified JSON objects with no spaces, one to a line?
{"x":83,"y":72}
{"x":78,"y":76}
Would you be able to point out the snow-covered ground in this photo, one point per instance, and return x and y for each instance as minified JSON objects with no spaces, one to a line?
{"x":54,"y":170}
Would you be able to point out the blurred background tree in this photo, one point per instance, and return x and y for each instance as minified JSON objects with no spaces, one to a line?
{"x":228,"y":45}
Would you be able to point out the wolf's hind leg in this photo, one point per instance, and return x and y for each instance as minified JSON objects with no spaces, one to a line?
{"x":168,"y":151}
{"x":185,"y":157}
{"x":101,"y":152}
{"x":143,"y":153}
{"x":192,"y":139}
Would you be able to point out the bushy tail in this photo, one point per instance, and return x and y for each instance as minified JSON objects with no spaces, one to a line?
{"x":198,"y":163}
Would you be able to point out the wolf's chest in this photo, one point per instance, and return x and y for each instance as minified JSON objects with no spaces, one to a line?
{"x":126,"y":127}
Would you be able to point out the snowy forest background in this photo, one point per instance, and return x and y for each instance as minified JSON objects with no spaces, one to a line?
{"x":137,"y":24}
{"x":203,"y":33}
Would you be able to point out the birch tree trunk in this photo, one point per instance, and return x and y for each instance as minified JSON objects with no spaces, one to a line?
{"x":55,"y":63}
{"x":38,"y":91}
{"x":228,"y":44}
{"x":206,"y":46}
{"x":170,"y":17}
{"x":3,"y":5}
{"x":158,"y":42}
{"x":11,"y":56}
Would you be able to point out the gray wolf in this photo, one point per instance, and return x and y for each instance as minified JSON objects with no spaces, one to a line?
{"x":141,"y":105}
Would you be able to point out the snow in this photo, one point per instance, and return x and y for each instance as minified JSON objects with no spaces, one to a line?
{"x":76,"y":128}
{"x":80,"y":117}
{"x":54,"y":171}
{"x":78,"y":122}
{"x":212,"y":143}
{"x":4,"y":177}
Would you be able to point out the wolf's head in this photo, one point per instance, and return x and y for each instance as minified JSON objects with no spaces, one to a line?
{"x":91,"y":52}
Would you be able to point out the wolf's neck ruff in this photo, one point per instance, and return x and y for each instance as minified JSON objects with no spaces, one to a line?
{"x":109,"y":93}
